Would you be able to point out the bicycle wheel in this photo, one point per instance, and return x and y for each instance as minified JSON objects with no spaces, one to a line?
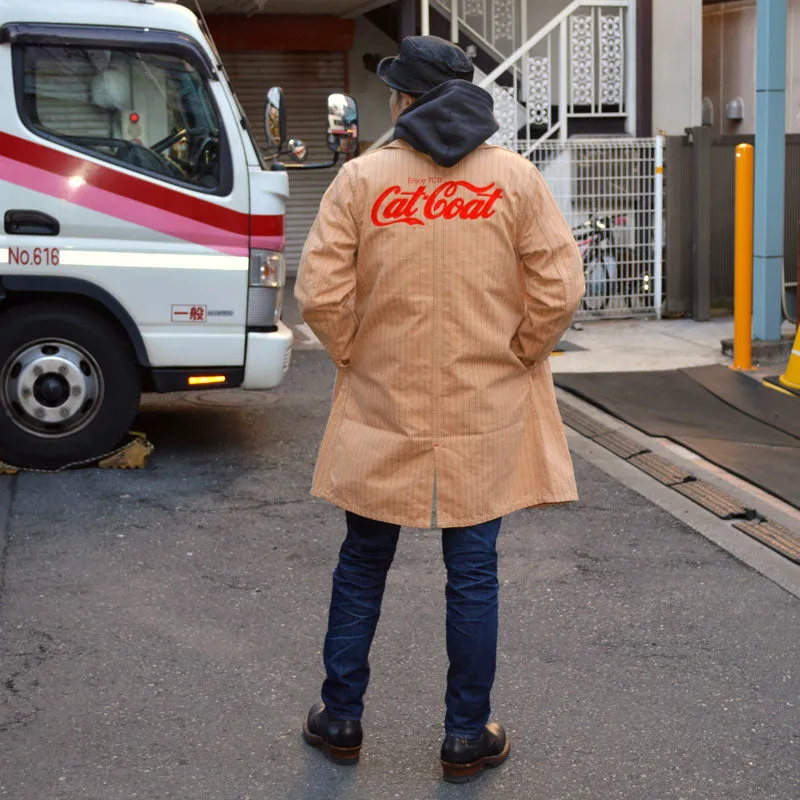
{"x":597,"y":275}
{"x":635,"y":284}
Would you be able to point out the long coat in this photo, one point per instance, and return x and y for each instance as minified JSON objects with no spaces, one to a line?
{"x":439,"y":293}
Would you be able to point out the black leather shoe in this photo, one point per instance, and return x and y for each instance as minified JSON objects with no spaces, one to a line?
{"x":464,"y":759}
{"x":340,"y":739}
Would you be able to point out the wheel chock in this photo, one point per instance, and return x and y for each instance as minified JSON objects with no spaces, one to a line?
{"x":133,"y":455}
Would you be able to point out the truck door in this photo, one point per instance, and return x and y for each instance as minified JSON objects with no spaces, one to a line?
{"x":124,"y":186}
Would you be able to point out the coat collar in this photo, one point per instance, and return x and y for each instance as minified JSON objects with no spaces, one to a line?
{"x":400,"y":144}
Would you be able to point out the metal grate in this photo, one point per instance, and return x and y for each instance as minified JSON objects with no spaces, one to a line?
{"x":775,"y":536}
{"x":582,"y":423}
{"x":610,"y":191}
{"x":659,"y":468}
{"x":621,"y":445}
{"x":712,"y":499}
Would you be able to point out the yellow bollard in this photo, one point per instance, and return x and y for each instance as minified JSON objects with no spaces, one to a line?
{"x":743,"y":261}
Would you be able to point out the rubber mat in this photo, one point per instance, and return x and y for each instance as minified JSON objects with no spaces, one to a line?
{"x":676,"y":406}
{"x":670,"y":404}
{"x":568,"y":347}
{"x":749,"y":396}
{"x":774,"y":469}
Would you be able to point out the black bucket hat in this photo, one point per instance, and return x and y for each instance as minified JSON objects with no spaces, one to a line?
{"x":423,"y":63}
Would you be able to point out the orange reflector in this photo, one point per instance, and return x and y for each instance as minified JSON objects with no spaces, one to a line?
{"x":204,"y":380}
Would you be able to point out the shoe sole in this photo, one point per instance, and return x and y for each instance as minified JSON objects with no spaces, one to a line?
{"x":347,"y":756}
{"x":464,"y":773}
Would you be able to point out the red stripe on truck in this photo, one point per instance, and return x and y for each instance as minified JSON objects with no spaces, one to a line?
{"x":141,"y":191}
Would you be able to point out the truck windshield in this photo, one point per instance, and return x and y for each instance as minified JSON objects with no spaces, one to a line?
{"x":149,"y":111}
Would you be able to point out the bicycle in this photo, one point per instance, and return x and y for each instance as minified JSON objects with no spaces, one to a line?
{"x":607,"y":267}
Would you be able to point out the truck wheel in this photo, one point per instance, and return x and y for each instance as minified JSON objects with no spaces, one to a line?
{"x":69,"y":386}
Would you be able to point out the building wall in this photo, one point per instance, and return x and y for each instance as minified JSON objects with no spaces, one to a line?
{"x":677,"y":65}
{"x":540,"y":12}
{"x":729,"y":63}
{"x":793,"y":68}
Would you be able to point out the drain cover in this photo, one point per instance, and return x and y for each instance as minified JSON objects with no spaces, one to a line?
{"x":773,"y":535}
{"x":713,"y":499}
{"x":621,"y":445}
{"x":229,"y":398}
{"x":659,"y":468}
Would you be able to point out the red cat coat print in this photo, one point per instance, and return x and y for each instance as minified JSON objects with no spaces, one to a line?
{"x":449,"y":200}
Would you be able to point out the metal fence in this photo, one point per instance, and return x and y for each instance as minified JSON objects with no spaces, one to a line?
{"x":611,"y":192}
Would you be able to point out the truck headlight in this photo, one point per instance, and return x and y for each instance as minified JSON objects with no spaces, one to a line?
{"x":267,"y":268}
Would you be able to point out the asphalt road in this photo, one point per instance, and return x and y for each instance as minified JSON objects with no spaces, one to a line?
{"x":161,"y":633}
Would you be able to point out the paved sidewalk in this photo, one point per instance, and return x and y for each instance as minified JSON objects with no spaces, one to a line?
{"x":643,"y":345}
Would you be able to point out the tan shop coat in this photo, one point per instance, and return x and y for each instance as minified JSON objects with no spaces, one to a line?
{"x":440,"y":294}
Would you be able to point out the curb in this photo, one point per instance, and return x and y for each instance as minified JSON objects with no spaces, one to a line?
{"x":764,"y":353}
{"x":729,"y":515}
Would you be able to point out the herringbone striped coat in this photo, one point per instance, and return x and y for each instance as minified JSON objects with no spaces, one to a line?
{"x":440,"y":293}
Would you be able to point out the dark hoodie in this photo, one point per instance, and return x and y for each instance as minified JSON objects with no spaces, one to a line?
{"x":449,"y":122}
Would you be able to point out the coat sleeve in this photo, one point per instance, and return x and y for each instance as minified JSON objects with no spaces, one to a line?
{"x":326,"y":281}
{"x":552,"y":270}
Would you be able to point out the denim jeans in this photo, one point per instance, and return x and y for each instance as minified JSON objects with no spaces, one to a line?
{"x":470,"y":555}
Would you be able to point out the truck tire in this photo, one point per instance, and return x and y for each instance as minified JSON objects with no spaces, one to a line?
{"x":69,"y":385}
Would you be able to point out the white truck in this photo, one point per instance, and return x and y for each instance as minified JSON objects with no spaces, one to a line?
{"x":143,"y":230}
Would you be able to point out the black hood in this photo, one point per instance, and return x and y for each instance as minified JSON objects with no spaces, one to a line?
{"x":449,"y":122}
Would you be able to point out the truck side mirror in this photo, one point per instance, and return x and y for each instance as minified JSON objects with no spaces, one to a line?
{"x":342,"y":124}
{"x":275,"y":117}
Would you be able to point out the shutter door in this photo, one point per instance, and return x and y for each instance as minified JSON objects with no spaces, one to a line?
{"x":307,"y":80}
{"x":64,"y":105}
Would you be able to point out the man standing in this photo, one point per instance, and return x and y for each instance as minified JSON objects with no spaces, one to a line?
{"x":438,"y":275}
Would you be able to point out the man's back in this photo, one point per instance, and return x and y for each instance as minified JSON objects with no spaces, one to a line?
{"x":461,"y":278}
{"x":439,"y":294}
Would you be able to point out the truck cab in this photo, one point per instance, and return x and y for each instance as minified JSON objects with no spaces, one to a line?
{"x":143,"y":231}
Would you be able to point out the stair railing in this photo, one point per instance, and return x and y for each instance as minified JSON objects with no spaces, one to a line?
{"x":496,"y":26}
{"x":575,"y":66}
{"x":578,"y":65}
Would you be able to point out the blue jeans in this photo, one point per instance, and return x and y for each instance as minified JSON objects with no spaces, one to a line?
{"x":470,"y":555}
